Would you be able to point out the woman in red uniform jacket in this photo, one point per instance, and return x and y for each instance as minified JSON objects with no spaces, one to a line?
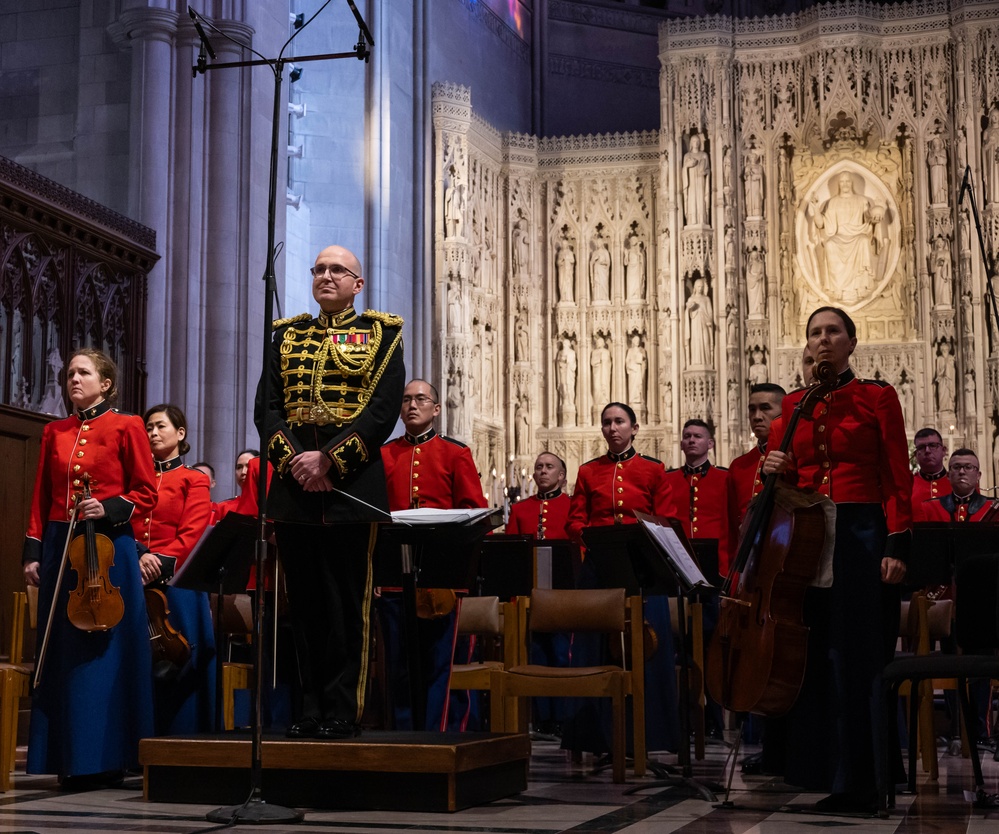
{"x":855,"y":451}
{"x":185,"y":696}
{"x":94,"y":701}
{"x":608,"y":490}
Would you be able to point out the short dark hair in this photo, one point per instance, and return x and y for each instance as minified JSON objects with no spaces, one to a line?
{"x":627,"y":409}
{"x":964,"y":452}
{"x":697,"y":421}
{"x":430,"y":385}
{"x":254,"y":452}
{"x":851,"y":328}
{"x":176,"y":418}
{"x":768,"y":388}
{"x":929,"y":431}
{"x":207,"y":466}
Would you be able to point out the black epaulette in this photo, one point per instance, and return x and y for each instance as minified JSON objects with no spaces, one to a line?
{"x":592,"y":460}
{"x":282,"y":322}
{"x":654,"y":460}
{"x":879,"y":382}
{"x":722,"y":468}
{"x":674,"y":469}
{"x":452,"y":440}
{"x":388,"y":319}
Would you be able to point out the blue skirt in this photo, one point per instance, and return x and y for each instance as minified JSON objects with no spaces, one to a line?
{"x":185,"y":701}
{"x":95,"y":699}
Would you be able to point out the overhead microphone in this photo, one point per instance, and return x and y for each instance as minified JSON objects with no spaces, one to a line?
{"x":206,"y":45}
{"x":965,"y":184}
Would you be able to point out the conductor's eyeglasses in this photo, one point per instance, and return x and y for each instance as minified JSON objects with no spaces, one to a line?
{"x":419,"y":399}
{"x":336,"y":271}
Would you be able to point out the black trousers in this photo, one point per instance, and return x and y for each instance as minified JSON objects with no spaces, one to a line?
{"x":328,"y":571}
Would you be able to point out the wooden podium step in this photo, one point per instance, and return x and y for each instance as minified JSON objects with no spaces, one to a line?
{"x":380,"y":771}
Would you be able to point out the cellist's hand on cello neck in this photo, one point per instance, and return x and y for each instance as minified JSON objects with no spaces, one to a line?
{"x":892,"y":570}
{"x":778,"y":462}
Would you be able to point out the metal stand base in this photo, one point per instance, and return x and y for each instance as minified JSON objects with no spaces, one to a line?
{"x":254,"y":812}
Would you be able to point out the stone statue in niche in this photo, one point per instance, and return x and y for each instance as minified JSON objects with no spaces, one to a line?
{"x":847,"y":230}
{"x":730,"y":248}
{"x":565,"y":268}
{"x":634,"y":269}
{"x":565,"y":379}
{"x":521,"y":430}
{"x":733,"y":400}
{"x":758,"y":369}
{"x":52,"y":401}
{"x":732,"y":326}
{"x":520,"y":246}
{"x":970,"y":404}
{"x":487,"y":373}
{"x":635,"y":365}
{"x":940,"y":266}
{"x":696,"y":184}
{"x":944,"y":379}
{"x":454,"y":203}
{"x":753,"y":174}
{"x":600,"y":373}
{"x":454,"y":307}
{"x":756,"y":283}
{"x":936,"y":159}
{"x":990,"y":157}
{"x":520,"y":339}
{"x":701,"y":330}
{"x":600,"y":264}
{"x":907,"y":398}
{"x":668,"y":402}
{"x":454,"y":402}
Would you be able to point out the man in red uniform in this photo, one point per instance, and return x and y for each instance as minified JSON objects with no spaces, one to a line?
{"x":426,"y":470}
{"x":931,"y":480}
{"x":745,"y":480}
{"x":963,"y":502}
{"x":700,"y":490}
{"x":543,"y":515}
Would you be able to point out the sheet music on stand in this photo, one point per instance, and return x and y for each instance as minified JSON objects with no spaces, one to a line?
{"x":432,"y":516}
{"x":677,"y":551}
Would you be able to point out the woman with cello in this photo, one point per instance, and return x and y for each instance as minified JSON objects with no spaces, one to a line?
{"x":180,"y":621}
{"x":92,"y":700}
{"x":608,"y":490}
{"x":854,"y":451}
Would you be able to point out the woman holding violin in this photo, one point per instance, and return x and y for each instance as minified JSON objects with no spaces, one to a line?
{"x":93,"y":690}
{"x":853,"y":450}
{"x":608,"y":491}
{"x":179,"y":620}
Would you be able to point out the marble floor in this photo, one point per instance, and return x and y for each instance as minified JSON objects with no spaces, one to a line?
{"x":561,"y":797}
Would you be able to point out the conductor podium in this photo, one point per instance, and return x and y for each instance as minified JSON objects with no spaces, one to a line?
{"x":416,"y":771}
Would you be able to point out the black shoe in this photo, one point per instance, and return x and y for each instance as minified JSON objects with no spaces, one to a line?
{"x":338,"y":728}
{"x":307,"y":727}
{"x":753,"y":765}
{"x":848,"y":803}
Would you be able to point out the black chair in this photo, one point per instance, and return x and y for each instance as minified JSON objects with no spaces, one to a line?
{"x":977,"y":630}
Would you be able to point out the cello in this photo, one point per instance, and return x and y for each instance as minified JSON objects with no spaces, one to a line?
{"x":95,"y":604}
{"x":756,"y":658}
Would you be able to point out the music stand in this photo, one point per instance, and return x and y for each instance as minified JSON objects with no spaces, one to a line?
{"x":220,"y":564}
{"x":434,"y":556}
{"x":514,"y":565}
{"x":633,"y":557}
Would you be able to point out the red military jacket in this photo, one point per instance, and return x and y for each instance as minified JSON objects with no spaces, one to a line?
{"x":247,"y":501}
{"x":701,"y":497}
{"x":431,"y":471}
{"x":109,"y":446}
{"x":924,"y":488}
{"x":222,"y":508}
{"x":745,"y":482}
{"x":949,"y":508}
{"x":543,"y":516}
{"x":182,"y":512}
{"x":609,"y":488}
{"x":855,"y":451}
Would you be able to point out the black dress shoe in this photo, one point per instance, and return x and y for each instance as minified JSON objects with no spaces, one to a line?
{"x":338,"y":728}
{"x":307,"y":727}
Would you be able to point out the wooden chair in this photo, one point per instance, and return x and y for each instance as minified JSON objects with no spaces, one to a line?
{"x":487,"y":617}
{"x":603,"y":611}
{"x":695,"y":671}
{"x":15,"y":679}
{"x":237,"y":620}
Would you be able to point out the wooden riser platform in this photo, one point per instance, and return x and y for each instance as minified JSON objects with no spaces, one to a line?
{"x":380,"y":771}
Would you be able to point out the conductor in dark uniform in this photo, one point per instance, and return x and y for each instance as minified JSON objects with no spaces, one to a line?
{"x":336,"y":387}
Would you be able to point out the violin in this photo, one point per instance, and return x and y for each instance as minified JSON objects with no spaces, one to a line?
{"x":171,"y":651}
{"x":756,"y":659}
{"x":94,"y":604}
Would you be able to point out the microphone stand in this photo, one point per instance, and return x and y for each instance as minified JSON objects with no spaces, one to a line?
{"x":255,"y":810}
{"x":991,"y":310}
